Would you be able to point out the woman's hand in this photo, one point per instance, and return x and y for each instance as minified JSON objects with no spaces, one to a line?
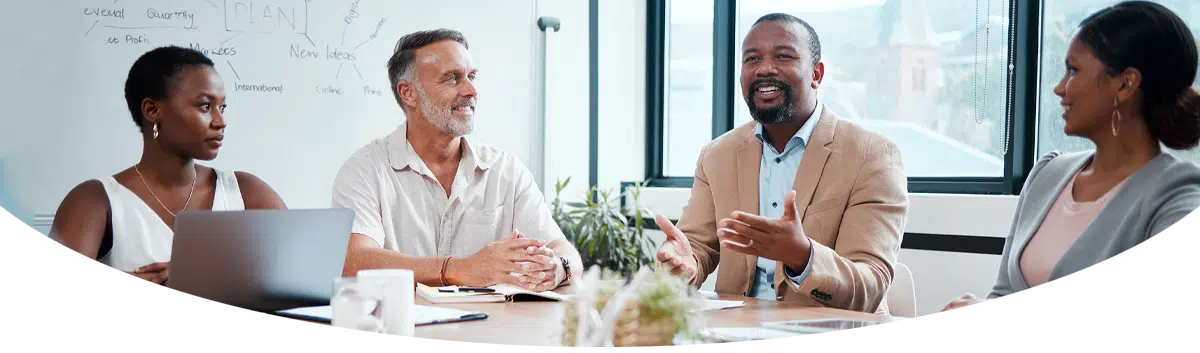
{"x":155,"y":273}
{"x":965,"y":300}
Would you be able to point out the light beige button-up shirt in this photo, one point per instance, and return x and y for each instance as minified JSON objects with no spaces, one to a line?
{"x":399,"y":203}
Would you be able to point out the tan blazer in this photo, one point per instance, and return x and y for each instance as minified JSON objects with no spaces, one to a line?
{"x":852,"y":191}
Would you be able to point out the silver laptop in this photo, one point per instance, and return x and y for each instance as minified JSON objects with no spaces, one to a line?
{"x":262,"y":260}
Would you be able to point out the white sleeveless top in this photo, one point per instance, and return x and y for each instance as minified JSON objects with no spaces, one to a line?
{"x":140,"y":237}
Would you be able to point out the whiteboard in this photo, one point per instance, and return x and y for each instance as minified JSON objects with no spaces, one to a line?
{"x":306,"y":82}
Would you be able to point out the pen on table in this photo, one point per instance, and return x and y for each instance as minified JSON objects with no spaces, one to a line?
{"x":466,"y":290}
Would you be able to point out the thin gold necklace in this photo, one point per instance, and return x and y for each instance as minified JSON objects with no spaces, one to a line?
{"x":160,"y":203}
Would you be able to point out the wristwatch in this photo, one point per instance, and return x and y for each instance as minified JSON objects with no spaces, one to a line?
{"x":566,"y":268}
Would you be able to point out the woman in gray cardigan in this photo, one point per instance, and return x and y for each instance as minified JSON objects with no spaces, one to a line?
{"x":1127,"y":88}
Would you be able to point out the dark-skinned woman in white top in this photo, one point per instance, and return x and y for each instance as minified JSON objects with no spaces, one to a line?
{"x":177,"y":101}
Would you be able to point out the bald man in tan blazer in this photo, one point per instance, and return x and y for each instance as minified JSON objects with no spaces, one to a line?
{"x":839,"y":232}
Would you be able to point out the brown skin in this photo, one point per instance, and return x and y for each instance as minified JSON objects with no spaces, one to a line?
{"x":675,"y":253}
{"x":447,"y":77}
{"x":1087,"y":92}
{"x":775,"y":51}
{"x":191,"y":126}
{"x":779,"y":51}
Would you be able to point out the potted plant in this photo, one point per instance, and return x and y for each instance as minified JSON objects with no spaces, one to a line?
{"x":662,"y":309}
{"x":602,"y":233}
{"x":606,"y":285}
{"x":667,"y":307}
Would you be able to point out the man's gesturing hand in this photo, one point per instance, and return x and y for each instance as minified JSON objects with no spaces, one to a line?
{"x":780,"y":239}
{"x":676,"y":251}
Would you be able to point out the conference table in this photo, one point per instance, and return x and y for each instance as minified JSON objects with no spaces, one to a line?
{"x":541,"y":323}
{"x":537,"y":325}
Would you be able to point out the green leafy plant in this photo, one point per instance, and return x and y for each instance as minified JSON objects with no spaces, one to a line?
{"x":601,"y":232}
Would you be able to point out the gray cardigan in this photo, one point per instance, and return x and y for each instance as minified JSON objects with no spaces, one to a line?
{"x":1161,"y":193}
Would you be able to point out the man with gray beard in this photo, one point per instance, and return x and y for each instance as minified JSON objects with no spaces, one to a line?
{"x":429,"y":199}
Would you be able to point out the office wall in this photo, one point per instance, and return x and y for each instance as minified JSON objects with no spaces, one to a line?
{"x":567,"y":96}
{"x":622,"y":92}
{"x":306,"y":87}
{"x":621,"y":114}
{"x":97,"y":138}
{"x":621,"y":95}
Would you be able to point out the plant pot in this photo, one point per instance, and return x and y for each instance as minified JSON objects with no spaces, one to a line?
{"x":631,"y":330}
{"x":637,"y":332}
{"x":571,"y":315}
{"x":570,"y":325}
{"x":661,"y":309}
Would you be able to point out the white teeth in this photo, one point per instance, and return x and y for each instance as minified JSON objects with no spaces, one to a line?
{"x":768,"y":89}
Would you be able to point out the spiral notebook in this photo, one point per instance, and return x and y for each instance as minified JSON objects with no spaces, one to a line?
{"x":503,"y":293}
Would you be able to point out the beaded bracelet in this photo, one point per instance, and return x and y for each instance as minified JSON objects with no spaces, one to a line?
{"x":447,"y":261}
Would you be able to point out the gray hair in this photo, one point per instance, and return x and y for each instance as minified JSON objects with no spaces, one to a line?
{"x":401,"y":65}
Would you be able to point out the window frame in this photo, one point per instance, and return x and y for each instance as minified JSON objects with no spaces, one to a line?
{"x":1024,"y":57}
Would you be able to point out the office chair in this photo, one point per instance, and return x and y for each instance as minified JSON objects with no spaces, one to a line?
{"x":902,"y":294}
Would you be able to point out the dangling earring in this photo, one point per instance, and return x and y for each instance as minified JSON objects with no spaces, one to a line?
{"x":1116,"y":117}
{"x":156,"y":130}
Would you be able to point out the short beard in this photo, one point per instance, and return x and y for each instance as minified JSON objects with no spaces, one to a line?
{"x":442,"y":118}
{"x":783,"y":113}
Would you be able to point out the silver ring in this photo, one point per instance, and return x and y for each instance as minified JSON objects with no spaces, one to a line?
{"x":751,"y":243}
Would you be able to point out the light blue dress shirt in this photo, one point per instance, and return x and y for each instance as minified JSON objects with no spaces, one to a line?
{"x":776,"y":175}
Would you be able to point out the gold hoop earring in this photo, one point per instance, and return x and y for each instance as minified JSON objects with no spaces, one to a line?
{"x":1116,"y":117}
{"x":155,"y":130}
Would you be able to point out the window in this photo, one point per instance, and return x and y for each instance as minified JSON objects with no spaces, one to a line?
{"x":938,"y":77}
{"x":1060,"y":20}
{"x":917,"y":83}
{"x":875,"y":53}
{"x":687,"y":109}
{"x":918,"y":77}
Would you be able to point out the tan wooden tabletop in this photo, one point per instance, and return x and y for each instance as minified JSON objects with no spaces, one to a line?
{"x":541,"y":323}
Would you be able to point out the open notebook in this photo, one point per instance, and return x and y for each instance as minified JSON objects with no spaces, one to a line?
{"x":503,"y":293}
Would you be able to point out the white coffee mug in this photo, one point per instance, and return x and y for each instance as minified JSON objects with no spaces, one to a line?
{"x":353,"y":304}
{"x":396,"y":288}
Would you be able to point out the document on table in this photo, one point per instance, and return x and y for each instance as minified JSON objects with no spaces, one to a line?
{"x":422,"y":314}
{"x":740,"y":334}
{"x":715,"y":305}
